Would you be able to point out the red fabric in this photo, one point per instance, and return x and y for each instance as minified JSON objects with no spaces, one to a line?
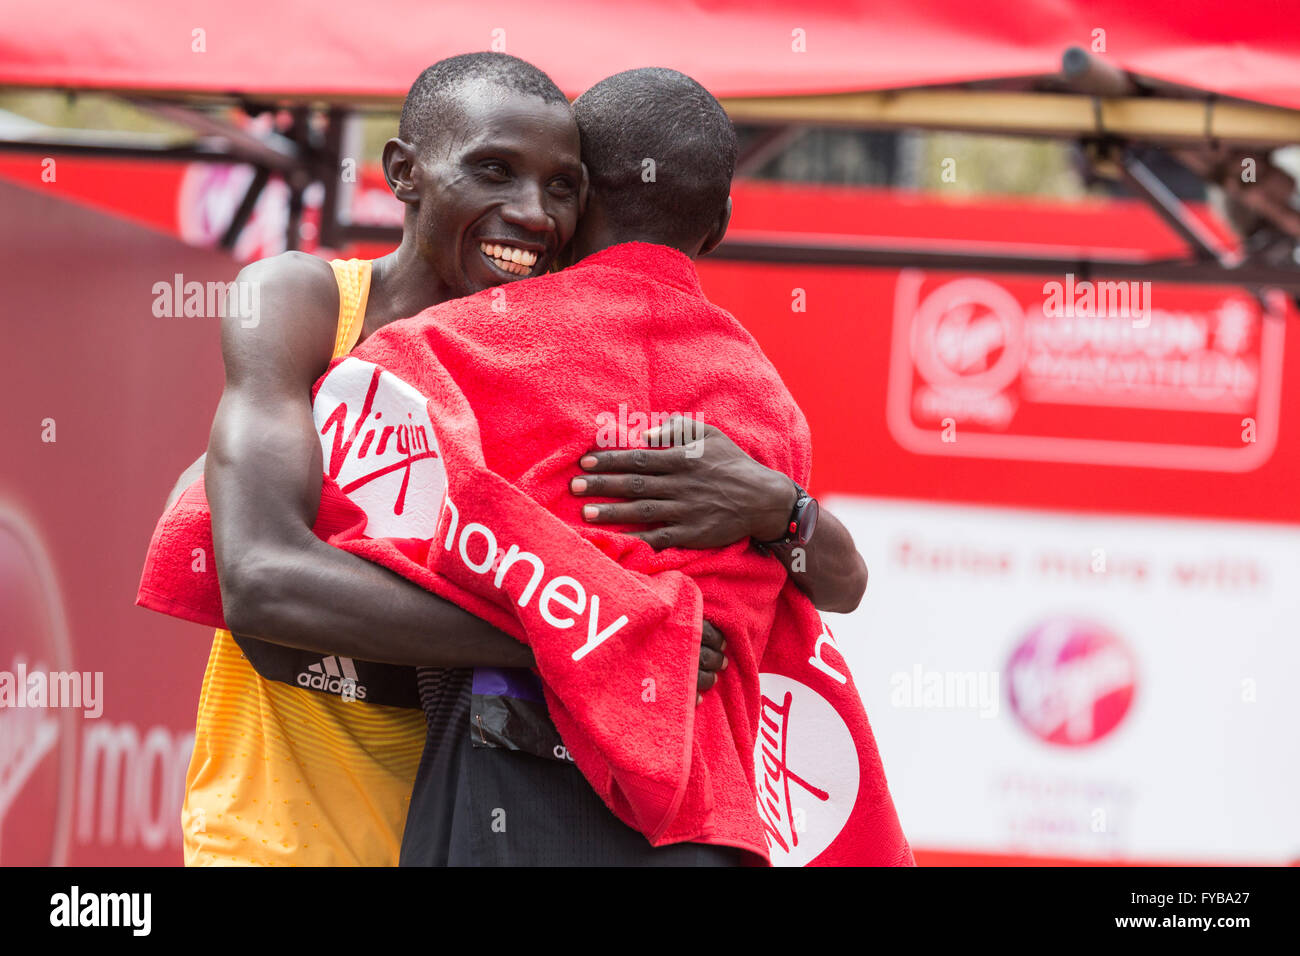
{"x":733,"y":47}
{"x":170,"y":582}
{"x":627,"y":329}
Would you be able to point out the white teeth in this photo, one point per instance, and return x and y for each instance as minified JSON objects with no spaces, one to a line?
{"x":510,"y":259}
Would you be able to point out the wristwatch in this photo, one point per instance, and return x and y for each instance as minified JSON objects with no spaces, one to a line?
{"x":803,"y":520}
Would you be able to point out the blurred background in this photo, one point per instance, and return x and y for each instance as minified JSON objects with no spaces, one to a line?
{"x":1029,"y":268}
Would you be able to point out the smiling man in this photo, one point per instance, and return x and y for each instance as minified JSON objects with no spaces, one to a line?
{"x":300,"y":759}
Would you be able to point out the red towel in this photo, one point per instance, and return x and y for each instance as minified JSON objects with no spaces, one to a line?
{"x":779,"y":759}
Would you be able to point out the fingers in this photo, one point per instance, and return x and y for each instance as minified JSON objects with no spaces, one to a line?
{"x":710,"y":659}
{"x":642,"y":461}
{"x":646,"y":511}
{"x":704,"y":681}
{"x":710,"y":636}
{"x":659,"y":538}
{"x":678,"y":430}
{"x":621,"y":486}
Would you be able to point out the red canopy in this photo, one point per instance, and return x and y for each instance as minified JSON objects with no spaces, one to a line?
{"x":735,"y":47}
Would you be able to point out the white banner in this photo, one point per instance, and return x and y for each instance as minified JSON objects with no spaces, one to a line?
{"x":1101,"y":687}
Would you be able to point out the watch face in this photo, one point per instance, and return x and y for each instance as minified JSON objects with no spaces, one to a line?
{"x":807,"y":521}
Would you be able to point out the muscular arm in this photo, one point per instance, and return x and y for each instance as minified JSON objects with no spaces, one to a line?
{"x":279,"y":581}
{"x":716,"y":497}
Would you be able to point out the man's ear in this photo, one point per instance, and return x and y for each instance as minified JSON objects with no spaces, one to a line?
{"x":400,"y":169}
{"x":582,"y":192}
{"x":718,"y":231}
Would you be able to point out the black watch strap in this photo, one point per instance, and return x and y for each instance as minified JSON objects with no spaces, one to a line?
{"x":802,"y":501}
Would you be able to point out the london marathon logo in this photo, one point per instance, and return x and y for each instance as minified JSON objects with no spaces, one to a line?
{"x":1019,"y":369}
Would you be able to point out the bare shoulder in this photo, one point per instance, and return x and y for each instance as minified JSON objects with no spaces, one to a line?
{"x":292,"y":327}
{"x":295,"y":278}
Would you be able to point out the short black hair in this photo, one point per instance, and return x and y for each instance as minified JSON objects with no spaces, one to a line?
{"x":665,"y":116}
{"x":431,"y":98}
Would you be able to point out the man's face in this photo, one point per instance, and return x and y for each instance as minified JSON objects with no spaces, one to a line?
{"x":500,"y":190}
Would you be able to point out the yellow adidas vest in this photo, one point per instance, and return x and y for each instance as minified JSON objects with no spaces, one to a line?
{"x":284,"y":776}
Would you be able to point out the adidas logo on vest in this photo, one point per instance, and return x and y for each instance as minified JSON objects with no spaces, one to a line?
{"x":327,"y":676}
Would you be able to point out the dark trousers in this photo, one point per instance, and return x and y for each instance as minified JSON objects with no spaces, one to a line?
{"x":506,"y":808}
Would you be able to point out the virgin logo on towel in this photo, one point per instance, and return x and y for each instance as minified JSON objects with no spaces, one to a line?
{"x":805,"y":768}
{"x":380,"y":446}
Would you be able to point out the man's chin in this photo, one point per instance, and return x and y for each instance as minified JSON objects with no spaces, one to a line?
{"x":481,"y":276}
{"x":477,"y":280}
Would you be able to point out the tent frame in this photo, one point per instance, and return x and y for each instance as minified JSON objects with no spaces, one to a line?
{"x":1112,"y":114}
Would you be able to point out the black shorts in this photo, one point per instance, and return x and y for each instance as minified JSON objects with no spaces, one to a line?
{"x":488,"y":806}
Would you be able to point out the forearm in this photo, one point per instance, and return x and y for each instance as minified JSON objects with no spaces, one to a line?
{"x":828,"y":568}
{"x":316,"y":597}
{"x":715,"y":496}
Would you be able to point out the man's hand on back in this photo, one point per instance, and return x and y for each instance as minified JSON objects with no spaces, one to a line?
{"x":695,"y":482}
{"x":704,"y":492}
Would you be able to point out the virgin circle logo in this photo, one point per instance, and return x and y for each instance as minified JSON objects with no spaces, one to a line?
{"x":1071,"y":682}
{"x":380,"y":446}
{"x":805,"y":768}
{"x":969,"y":334}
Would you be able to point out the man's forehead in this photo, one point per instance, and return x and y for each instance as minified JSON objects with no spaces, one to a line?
{"x":483,"y":109}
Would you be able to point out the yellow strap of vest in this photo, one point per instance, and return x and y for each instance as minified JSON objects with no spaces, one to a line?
{"x":353,"y":277}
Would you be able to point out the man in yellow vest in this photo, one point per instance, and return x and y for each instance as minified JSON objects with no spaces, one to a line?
{"x":309,"y":735}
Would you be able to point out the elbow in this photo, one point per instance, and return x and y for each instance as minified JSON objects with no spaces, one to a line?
{"x":859,"y":585}
{"x":850,"y":594}
{"x":247,"y":595}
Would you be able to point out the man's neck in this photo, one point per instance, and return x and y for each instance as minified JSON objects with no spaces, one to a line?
{"x":597,"y":233}
{"x":403,"y":284}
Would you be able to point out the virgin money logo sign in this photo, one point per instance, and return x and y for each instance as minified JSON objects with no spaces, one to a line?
{"x":1161,"y":376}
{"x":968,"y":346}
{"x":380,"y":446}
{"x":805,"y":769}
{"x":1071,"y":682}
{"x":37,"y":744}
